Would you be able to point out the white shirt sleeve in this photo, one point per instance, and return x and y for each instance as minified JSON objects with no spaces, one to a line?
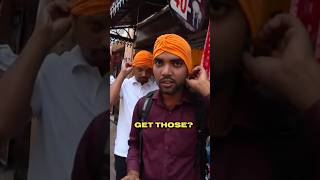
{"x":36,"y":102}
{"x":7,"y":57}
{"x":112,"y":79}
{"x":123,"y":85}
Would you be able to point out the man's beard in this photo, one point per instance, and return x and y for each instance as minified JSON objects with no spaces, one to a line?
{"x":176,"y":87}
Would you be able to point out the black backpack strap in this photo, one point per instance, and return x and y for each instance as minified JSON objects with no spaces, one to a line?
{"x":143,"y":115}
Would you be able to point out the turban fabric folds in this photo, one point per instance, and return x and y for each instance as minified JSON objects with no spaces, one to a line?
{"x":175,"y":45}
{"x":143,"y":58}
{"x":258,"y":12}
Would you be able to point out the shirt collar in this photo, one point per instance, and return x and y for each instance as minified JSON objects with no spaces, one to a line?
{"x":187,"y":96}
{"x":135,"y":82}
{"x":76,"y":57}
{"x":78,"y":60}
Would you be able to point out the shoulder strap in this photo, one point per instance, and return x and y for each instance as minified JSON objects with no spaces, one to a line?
{"x":146,"y":106}
{"x":143,"y":115}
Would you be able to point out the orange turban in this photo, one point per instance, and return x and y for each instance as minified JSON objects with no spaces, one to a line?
{"x":89,"y":7}
{"x":143,"y":58}
{"x":175,"y":45}
{"x":258,"y":12}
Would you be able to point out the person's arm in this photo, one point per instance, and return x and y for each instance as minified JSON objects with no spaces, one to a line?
{"x":289,"y":67}
{"x":116,"y":85}
{"x":133,"y":165}
{"x":16,"y":84}
{"x":200,"y":82}
{"x":291,"y":70}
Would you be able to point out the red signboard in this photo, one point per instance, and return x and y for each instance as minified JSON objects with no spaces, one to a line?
{"x":190,"y":12}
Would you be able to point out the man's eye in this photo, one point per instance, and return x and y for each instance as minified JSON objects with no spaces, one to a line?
{"x":177,"y":63}
{"x":158,"y":62}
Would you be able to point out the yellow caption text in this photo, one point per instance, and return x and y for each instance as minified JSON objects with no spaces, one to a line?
{"x":163,"y":124}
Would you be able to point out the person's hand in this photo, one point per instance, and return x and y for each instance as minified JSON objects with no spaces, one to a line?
{"x":198,"y":81}
{"x":126,"y":68}
{"x":286,"y":64}
{"x":54,"y":22}
{"x":132,"y":175}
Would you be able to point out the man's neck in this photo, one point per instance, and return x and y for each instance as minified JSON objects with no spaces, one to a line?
{"x":142,"y":83}
{"x":171,"y":101}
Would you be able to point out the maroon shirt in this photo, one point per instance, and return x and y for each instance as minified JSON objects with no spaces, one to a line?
{"x":168,"y":153}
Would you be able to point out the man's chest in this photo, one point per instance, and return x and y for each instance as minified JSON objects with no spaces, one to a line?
{"x":132,"y":93}
{"x":74,"y":93}
{"x":173,"y":131}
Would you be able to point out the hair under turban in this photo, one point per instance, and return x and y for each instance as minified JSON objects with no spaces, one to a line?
{"x":175,"y":45}
{"x":143,"y":58}
{"x":258,"y":12}
{"x":89,"y":7}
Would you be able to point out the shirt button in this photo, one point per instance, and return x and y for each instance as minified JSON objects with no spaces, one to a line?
{"x":166,"y":148}
{"x":168,"y":129}
{"x":170,"y":112}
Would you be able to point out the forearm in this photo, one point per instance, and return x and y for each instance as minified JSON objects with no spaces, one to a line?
{"x":16,"y":85}
{"x":115,"y":89}
{"x":204,"y":88}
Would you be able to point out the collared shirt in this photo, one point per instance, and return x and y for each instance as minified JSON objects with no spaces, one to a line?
{"x":112,"y":79}
{"x":131,"y":91}
{"x":168,"y":153}
{"x":68,"y":94}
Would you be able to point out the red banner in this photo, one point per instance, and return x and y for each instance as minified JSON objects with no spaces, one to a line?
{"x":309,"y":13}
{"x":205,"y":61}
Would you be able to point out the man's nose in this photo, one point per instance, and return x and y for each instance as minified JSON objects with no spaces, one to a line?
{"x":166,"y":70}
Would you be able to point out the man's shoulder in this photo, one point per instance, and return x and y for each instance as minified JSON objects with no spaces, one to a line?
{"x":152,"y":95}
{"x":128,"y":83}
{"x":153,"y":84}
{"x":55,"y":60}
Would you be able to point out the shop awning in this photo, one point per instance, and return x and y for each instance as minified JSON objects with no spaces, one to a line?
{"x":130,"y":12}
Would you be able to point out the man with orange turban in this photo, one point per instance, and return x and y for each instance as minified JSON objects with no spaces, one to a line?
{"x":163,"y":151}
{"x":64,"y":92}
{"x":266,"y":110}
{"x":129,"y":91}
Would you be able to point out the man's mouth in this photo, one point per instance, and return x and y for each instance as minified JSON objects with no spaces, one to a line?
{"x":167,"y":83}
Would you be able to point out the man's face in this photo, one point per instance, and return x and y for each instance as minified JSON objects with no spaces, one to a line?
{"x":170,"y":73}
{"x":231,"y":38}
{"x":142,"y":73}
{"x":92,"y":35}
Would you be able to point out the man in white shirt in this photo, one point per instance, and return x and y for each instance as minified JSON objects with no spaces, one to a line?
{"x":129,"y":91}
{"x":64,"y":92}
